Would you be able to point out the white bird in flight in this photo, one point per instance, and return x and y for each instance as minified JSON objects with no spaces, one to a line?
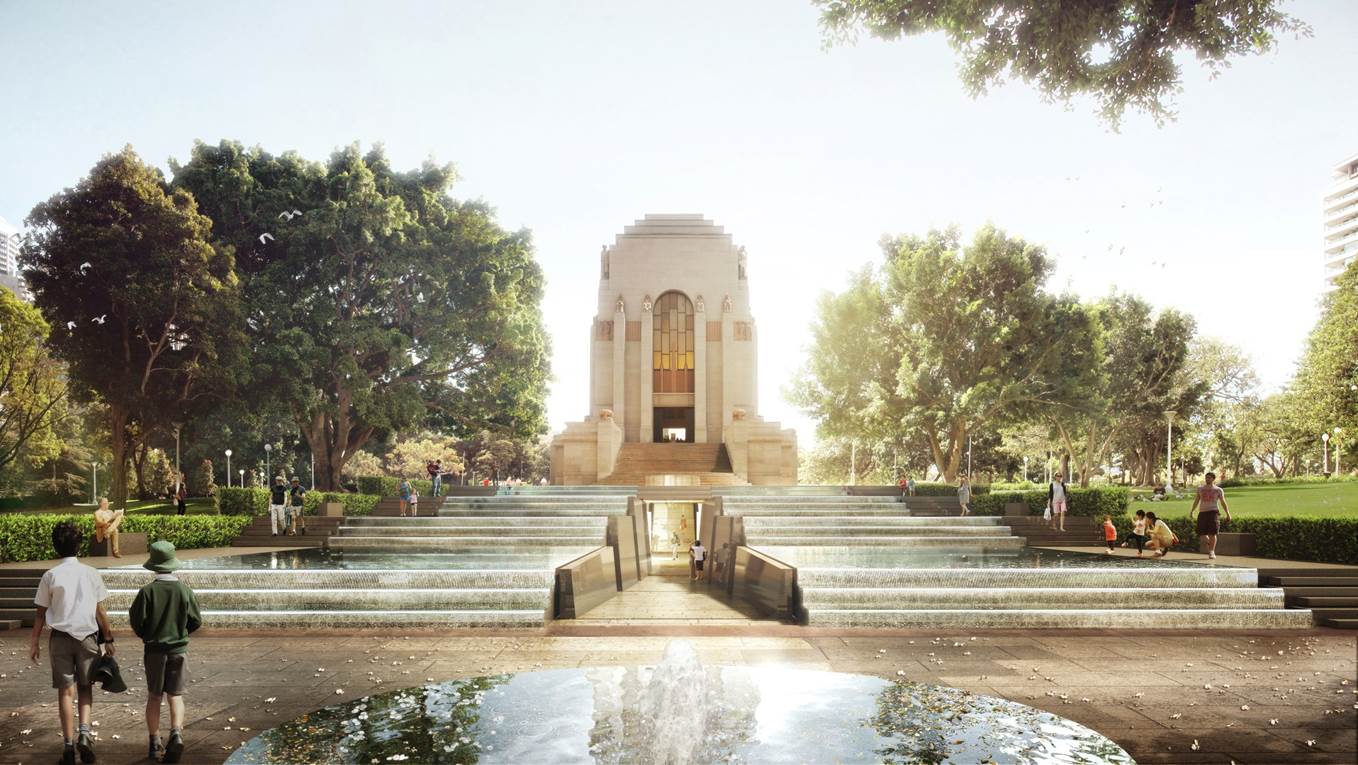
{"x":289,"y":214}
{"x":100,"y":319}
{"x":85,"y":266}
{"x":265,"y":238}
{"x":70,"y":325}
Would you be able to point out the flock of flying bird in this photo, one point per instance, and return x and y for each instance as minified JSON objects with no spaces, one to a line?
{"x":1162,"y":264}
{"x":264,"y":238}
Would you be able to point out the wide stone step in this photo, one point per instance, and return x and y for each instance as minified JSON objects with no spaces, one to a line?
{"x":886,"y":511}
{"x":1313,"y":581}
{"x":567,"y":521}
{"x":530,"y":512}
{"x":1335,"y":613}
{"x":1328,"y":602}
{"x":1343,"y":624}
{"x":854,"y":532}
{"x":22,"y":615}
{"x":765,"y":521}
{"x":454,"y":544}
{"x":352,"y":619}
{"x":11,"y":581}
{"x":965,"y":544}
{"x":1037,"y":598}
{"x":10,"y":624}
{"x":1179,"y":619}
{"x":486,"y":576}
{"x":1107,"y":578}
{"x":735,"y":501}
{"x":506,"y":534}
{"x":365,"y":599}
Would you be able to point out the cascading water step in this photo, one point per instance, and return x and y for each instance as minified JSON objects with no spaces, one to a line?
{"x":460,"y":544}
{"x":760,"y":534}
{"x":962,"y":544}
{"x":836,"y":521}
{"x":332,"y":599}
{"x":1130,"y":618}
{"x":1016,"y":598}
{"x":329,"y":620}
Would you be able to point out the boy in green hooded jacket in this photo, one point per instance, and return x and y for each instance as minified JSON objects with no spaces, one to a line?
{"x":163,"y":614}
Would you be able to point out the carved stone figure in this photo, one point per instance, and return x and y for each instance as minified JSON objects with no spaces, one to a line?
{"x":606,"y":414}
{"x":646,"y":304}
{"x":740,"y":267}
{"x":603,"y":262}
{"x":699,"y":305}
{"x":620,"y":306}
{"x":726,"y":306}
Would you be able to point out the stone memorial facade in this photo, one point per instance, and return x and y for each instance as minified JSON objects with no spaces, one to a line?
{"x":673,"y":359}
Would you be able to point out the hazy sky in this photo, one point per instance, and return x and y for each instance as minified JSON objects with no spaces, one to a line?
{"x":573,"y":119}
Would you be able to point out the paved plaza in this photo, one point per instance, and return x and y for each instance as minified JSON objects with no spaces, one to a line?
{"x":1248,"y":698}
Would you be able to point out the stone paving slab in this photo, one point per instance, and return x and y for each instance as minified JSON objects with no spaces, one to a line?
{"x":1145,"y":699}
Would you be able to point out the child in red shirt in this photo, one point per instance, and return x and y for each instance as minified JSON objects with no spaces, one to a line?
{"x":1110,"y":533}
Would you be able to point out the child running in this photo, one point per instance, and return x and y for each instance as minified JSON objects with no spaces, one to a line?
{"x":1138,"y":533}
{"x":1110,"y":533}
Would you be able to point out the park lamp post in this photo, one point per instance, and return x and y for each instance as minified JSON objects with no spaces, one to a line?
{"x":1325,"y":453}
{"x":267,"y":448}
{"x":1338,"y":449}
{"x":178,"y":474}
{"x":242,"y":477}
{"x":1169,"y":450}
{"x":228,"y":468}
{"x":94,"y":486}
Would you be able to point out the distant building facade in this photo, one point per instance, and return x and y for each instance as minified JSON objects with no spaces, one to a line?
{"x":10,"y":278}
{"x":1341,"y":220}
{"x":673,"y":350}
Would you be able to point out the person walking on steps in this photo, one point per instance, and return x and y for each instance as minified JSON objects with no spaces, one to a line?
{"x":405,"y":491}
{"x":1058,"y":500}
{"x":1205,"y":504}
{"x":278,"y":506}
{"x":964,"y":495}
{"x":699,"y":554}
{"x":297,"y":495}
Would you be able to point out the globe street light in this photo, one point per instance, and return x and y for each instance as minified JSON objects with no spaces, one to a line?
{"x":267,"y":448}
{"x":1325,"y":447}
{"x":228,"y":468}
{"x":1338,"y":449}
{"x":242,"y":477}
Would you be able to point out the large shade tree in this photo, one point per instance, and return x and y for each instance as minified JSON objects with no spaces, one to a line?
{"x":945,"y":341}
{"x":374,"y":301}
{"x":143,"y":307}
{"x":1121,"y":53}
{"x":1327,"y":378}
{"x":32,"y":386}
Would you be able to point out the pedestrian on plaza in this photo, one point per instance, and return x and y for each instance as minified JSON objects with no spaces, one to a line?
{"x":910,"y":484}
{"x":1161,"y":536}
{"x":432,"y":470}
{"x":70,"y":599}
{"x":1205,"y":504}
{"x":698,"y":553}
{"x":1138,"y":533}
{"x":297,"y":497}
{"x":278,"y":506}
{"x":964,"y":495}
{"x":106,"y":523}
{"x":404,"y":491}
{"x":414,"y":502}
{"x":438,"y":478}
{"x":903,"y":484}
{"x":181,"y":496}
{"x":1058,"y":500}
{"x":163,"y":614}
{"x":1110,"y":533}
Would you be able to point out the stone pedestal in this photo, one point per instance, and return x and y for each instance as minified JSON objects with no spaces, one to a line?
{"x":128,"y":544}
{"x":763,"y":453}
{"x":1236,"y":544}
{"x":586,"y":452}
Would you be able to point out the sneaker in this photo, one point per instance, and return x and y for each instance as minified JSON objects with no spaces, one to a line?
{"x":1212,"y":555}
{"x":85,"y":745}
{"x":68,"y":755}
{"x":174,"y":749}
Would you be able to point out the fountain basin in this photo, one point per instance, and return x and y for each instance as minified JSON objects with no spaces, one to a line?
{"x":676,"y":715}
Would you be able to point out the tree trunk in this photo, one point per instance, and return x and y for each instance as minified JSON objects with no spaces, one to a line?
{"x":117,"y":487}
{"x":139,"y":451}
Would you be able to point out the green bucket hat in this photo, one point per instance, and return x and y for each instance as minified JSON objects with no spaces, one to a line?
{"x":162,"y":560}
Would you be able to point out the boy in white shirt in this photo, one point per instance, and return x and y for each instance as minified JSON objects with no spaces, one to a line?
{"x":699,"y":554}
{"x":70,"y":600}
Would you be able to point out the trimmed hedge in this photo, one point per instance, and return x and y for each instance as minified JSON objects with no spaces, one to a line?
{"x":386,"y":486}
{"x":933,"y":489}
{"x":1094,"y":502}
{"x":29,"y":537}
{"x":253,"y":502}
{"x":1322,"y":540}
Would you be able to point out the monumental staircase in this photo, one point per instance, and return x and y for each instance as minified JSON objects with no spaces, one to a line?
{"x":864,"y":561}
{"x":673,"y":464}
{"x":485,"y":561}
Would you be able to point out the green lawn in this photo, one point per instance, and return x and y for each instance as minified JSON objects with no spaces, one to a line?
{"x":1308,"y":500}
{"x":195,"y":506}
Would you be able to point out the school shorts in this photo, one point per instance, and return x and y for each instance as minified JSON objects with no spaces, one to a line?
{"x":166,"y":672}
{"x":72,"y":658}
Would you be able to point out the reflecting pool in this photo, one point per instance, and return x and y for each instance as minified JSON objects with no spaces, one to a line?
{"x":676,"y":713}
{"x":479,"y":559}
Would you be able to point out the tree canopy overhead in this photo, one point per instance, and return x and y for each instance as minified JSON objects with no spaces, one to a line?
{"x":1119,"y":52}
{"x":143,"y":308}
{"x":374,"y":301}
